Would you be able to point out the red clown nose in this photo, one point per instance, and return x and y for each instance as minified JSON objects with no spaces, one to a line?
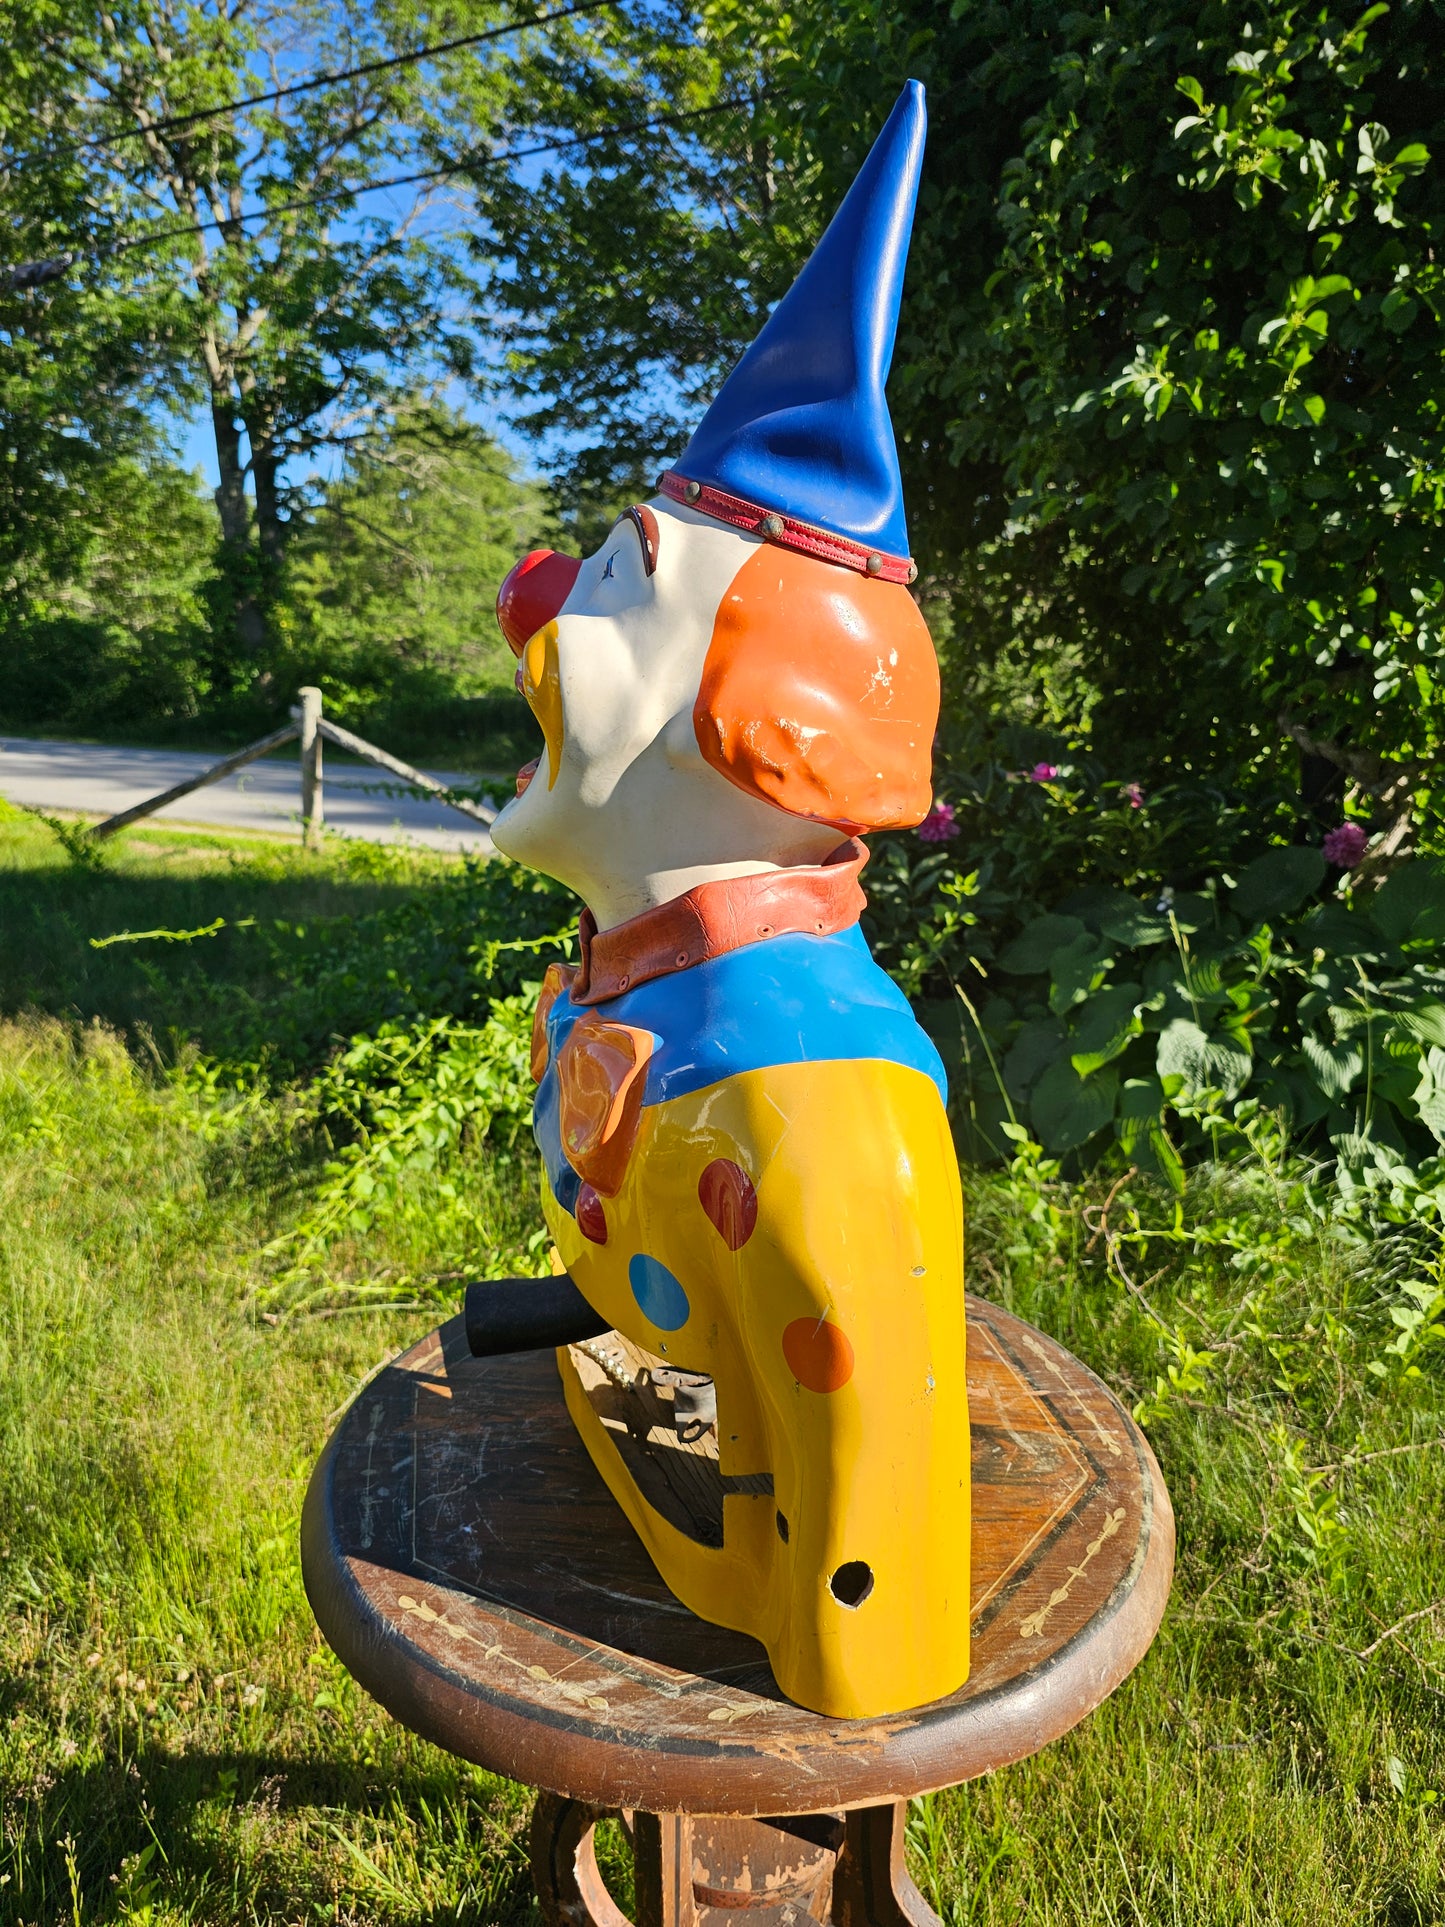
{"x":533,"y":594}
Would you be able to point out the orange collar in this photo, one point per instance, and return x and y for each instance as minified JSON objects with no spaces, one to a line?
{"x":713,"y":918}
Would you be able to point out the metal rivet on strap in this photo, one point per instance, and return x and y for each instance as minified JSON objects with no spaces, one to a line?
{"x":913,"y":572}
{"x":772,"y":526}
{"x":874,"y":564}
{"x":692,"y":491}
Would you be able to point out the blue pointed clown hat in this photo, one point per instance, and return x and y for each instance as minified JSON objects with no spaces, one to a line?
{"x":798,"y":444}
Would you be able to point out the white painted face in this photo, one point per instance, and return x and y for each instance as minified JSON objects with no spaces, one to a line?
{"x":623,"y":808}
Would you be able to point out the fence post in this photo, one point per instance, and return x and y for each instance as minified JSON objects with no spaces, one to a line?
{"x":311,"y":803}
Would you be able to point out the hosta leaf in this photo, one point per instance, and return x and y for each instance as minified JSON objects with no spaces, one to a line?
{"x":1033,"y":948}
{"x":1291,"y":1089}
{"x":1339,"y":932}
{"x":1140,"y":1130}
{"x":1334,"y":1066}
{"x":1104,"y":1027}
{"x":1192,"y":913}
{"x":1118,"y":916}
{"x":1206,"y":1060}
{"x":1411,"y":901}
{"x":1067,"y":1109}
{"x":1037,"y":1045}
{"x":1429,"y":1093}
{"x":1206,"y":981}
{"x":1277,"y":882}
{"x":1362,"y":1145}
{"x":1075,"y":971}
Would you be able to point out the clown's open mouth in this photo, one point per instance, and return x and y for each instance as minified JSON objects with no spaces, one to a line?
{"x":526,"y":773}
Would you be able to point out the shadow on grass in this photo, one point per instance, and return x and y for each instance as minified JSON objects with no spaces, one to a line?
{"x":262,"y":954}
{"x":220,"y":990}
{"x":227,"y":1835}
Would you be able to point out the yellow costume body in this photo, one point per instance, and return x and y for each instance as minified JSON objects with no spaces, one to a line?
{"x":794,"y":1230}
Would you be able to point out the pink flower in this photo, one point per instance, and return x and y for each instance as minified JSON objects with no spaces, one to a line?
{"x":1345,"y":846}
{"x":1043,"y":772}
{"x":939,"y":824}
{"x":1135,"y":794}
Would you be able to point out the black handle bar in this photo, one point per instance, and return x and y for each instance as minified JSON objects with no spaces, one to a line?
{"x":527,"y":1315}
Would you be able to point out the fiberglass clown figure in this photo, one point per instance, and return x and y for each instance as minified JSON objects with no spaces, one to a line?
{"x":748,"y":1171}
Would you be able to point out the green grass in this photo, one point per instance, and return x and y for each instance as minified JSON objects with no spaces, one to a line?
{"x":176,"y":1744}
{"x":149,"y":878}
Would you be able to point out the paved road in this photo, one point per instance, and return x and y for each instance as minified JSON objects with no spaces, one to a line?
{"x":359,"y":801}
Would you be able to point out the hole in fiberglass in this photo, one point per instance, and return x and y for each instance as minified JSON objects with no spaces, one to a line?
{"x":851,"y":1583}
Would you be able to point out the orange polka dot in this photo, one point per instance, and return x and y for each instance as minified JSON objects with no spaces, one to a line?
{"x":819,"y":1355}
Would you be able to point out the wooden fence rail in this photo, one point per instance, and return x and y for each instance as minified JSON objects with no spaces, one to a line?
{"x":311,"y":727}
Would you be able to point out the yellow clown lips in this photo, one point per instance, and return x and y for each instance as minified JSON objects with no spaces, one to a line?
{"x":542,"y":687}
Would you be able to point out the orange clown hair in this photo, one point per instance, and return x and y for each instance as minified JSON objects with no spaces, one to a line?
{"x":820,"y":693}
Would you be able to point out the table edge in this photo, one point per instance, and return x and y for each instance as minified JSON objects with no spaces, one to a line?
{"x":943,"y":1746}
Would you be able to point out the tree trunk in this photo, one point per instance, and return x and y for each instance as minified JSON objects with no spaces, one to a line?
{"x":246,"y":611}
{"x":264,"y":466}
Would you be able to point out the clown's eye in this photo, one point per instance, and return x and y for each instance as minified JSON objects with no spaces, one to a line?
{"x":608,"y":570}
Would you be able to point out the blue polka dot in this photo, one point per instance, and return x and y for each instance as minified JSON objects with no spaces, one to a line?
{"x":659,"y":1296}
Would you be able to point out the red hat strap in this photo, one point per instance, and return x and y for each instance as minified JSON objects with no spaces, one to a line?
{"x":785,"y":531}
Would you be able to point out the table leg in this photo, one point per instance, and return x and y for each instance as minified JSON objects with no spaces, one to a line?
{"x":662,"y":1863}
{"x":871,"y":1885}
{"x":570,"y":1890}
{"x":699,"y":1870}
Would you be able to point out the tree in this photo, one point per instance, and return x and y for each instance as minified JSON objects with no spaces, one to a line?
{"x":393,"y":579}
{"x":73,"y":348}
{"x":115,"y":633}
{"x":1168,"y":378}
{"x":1221,"y":355}
{"x":297,"y":319}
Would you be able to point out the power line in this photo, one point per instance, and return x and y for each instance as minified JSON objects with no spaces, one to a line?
{"x":30,"y":274}
{"x":172,"y":121}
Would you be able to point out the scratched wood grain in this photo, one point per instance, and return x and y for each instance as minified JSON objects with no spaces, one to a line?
{"x":469,"y":1566}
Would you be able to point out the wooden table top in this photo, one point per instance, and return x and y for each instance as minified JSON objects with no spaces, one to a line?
{"x":469,"y":1567}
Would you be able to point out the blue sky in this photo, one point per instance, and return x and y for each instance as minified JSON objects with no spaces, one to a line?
{"x":193,"y":437}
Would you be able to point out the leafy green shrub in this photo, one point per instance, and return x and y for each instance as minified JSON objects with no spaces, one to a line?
{"x":1169,"y":1008}
{"x":1168,"y":370}
{"x":114,"y":634}
{"x":413,"y":1098}
{"x":1253,"y":1012}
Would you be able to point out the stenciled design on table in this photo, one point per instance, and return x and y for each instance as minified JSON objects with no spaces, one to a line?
{"x":1031,"y":1627}
{"x":748,"y":1169}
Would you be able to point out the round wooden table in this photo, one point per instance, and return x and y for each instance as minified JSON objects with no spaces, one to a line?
{"x":470,"y":1568}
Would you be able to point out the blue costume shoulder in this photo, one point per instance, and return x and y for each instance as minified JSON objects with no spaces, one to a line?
{"x":789,"y":1000}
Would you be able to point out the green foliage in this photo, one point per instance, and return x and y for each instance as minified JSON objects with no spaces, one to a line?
{"x":1250,"y":435}
{"x":1419,"y":1319}
{"x":353,"y":1028}
{"x":165,"y":1388}
{"x":165,"y":1680}
{"x":293,"y":331}
{"x":415,"y":1098}
{"x":1168,"y":372}
{"x":118,"y":633}
{"x":392,"y":576}
{"x":75,"y":354}
{"x":386,"y":604}
{"x":1246,"y":1005}
{"x":154,"y":1443}
{"x":85,"y":851}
